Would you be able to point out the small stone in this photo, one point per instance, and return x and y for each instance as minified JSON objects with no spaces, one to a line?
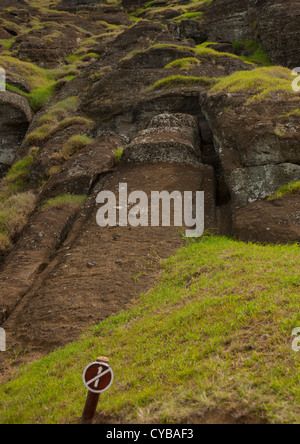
{"x":91,"y":264}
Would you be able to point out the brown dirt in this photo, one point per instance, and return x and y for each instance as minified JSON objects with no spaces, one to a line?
{"x":98,"y":272}
{"x":208,"y":418}
{"x":274,"y":221}
{"x":32,"y":254}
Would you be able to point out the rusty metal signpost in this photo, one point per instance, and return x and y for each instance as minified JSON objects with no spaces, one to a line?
{"x":97,"y":377}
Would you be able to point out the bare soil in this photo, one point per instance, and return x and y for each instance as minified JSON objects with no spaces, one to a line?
{"x":208,"y":418}
{"x":98,"y":271}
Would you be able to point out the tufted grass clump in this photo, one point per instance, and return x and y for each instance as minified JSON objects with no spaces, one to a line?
{"x":74,"y":144}
{"x":18,"y":176}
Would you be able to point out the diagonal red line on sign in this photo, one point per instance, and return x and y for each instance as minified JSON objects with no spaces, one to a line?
{"x":98,"y":377}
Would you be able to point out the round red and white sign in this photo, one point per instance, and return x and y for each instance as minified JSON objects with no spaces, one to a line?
{"x":98,"y":377}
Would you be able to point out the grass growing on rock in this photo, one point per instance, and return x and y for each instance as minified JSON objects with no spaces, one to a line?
{"x":258,"y":55}
{"x":16,"y":203}
{"x":119,"y":153}
{"x":189,"y":16}
{"x":183,"y":81}
{"x":43,"y":82}
{"x":261,"y":83}
{"x":72,"y":201}
{"x":201,"y":51}
{"x":286,"y":190}
{"x":184,"y":64}
{"x":215,"y":333}
{"x":72,"y":146}
{"x":58,"y":118}
{"x":188,"y":10}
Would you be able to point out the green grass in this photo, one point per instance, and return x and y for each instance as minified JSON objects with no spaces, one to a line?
{"x":62,"y":109}
{"x":18,"y":176}
{"x":199,"y":51}
{"x":119,"y":153}
{"x":43,"y":82}
{"x":184,"y":64}
{"x":286,"y":190}
{"x":155,"y":10}
{"x":260,"y":83}
{"x":189,"y":16}
{"x":58,"y":118}
{"x":295,"y":112}
{"x":39,"y":97}
{"x":258,"y":55}
{"x":36,"y":77}
{"x":66,"y":200}
{"x":16,"y":203}
{"x":183,"y":81}
{"x":214,"y":333}
{"x":74,"y":144}
{"x":7,"y":43}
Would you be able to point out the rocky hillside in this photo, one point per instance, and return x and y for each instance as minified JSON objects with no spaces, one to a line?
{"x":163,"y":95}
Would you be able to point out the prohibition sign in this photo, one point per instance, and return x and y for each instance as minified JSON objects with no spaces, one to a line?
{"x":98,"y":377}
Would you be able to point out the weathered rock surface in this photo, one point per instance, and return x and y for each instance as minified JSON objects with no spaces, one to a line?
{"x":255,"y":183}
{"x":83,"y":170}
{"x":47,"y":47}
{"x":255,"y":158}
{"x":274,"y":221}
{"x":56,"y":309}
{"x":179,"y":134}
{"x":168,"y":138}
{"x":15,"y":117}
{"x":97,"y":10}
{"x":188,"y":29}
{"x":12,"y":4}
{"x":237,"y":20}
{"x":33,"y":253}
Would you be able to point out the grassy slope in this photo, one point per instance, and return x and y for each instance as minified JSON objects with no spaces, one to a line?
{"x":215,"y":332}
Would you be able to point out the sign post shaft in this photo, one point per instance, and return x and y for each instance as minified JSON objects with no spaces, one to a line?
{"x":91,"y":401}
{"x":90,"y":408}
